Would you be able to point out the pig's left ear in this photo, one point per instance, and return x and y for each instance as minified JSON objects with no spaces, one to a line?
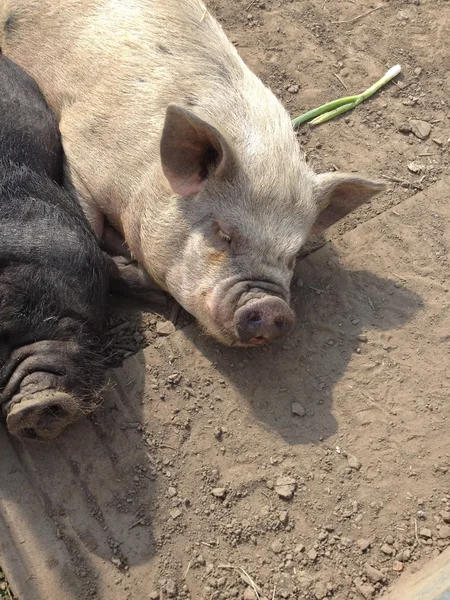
{"x":337,"y":194}
{"x":192,"y":150}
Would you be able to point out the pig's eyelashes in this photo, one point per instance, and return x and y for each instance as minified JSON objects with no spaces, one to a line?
{"x":292,"y":262}
{"x":224,"y":236}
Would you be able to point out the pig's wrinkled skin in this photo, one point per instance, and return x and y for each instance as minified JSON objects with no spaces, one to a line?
{"x":53,"y":276}
{"x":180,"y":146}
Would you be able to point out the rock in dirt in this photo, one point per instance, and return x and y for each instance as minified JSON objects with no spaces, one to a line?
{"x":421,"y":129}
{"x":298,"y":409}
{"x":425,"y":532}
{"x":276,"y":547}
{"x":397,"y":566}
{"x":415,"y":167}
{"x":386,"y":549}
{"x":353,"y":462}
{"x":312,"y":555}
{"x":154,"y":595}
{"x":363,"y":544}
{"x":285,"y":487}
{"x":171,"y":588}
{"x":219,"y":492}
{"x":444,"y":532}
{"x":445,"y":516}
{"x":365,"y":589}
{"x":249,"y":594}
{"x":320,"y":591}
{"x":404,"y":128}
{"x":284,"y":517}
{"x":165,"y":328}
{"x":175,"y":513}
{"x":374,"y":575}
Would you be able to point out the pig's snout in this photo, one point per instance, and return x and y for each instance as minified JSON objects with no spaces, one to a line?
{"x":42,"y":416}
{"x":263,"y":320}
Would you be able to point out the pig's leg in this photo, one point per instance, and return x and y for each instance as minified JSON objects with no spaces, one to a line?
{"x":114,"y":244}
{"x":129,"y":279}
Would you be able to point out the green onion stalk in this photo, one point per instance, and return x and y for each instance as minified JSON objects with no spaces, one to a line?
{"x":328,"y":111}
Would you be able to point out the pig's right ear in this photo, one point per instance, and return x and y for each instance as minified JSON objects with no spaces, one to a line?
{"x":191,"y":151}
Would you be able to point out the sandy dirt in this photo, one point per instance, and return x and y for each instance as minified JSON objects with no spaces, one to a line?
{"x":316,"y":468}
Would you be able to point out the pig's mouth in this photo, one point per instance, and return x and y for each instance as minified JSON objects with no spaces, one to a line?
{"x":248,"y":312}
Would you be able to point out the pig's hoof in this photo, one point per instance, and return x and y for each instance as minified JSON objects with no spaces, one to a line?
{"x":42,"y":416}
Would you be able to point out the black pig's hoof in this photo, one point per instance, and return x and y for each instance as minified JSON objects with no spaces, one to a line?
{"x":43,"y":415}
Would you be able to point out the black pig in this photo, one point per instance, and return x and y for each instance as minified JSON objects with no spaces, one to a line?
{"x":54,"y":277}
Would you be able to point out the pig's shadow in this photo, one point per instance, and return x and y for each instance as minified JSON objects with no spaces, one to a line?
{"x":85,"y":494}
{"x":333,"y":306}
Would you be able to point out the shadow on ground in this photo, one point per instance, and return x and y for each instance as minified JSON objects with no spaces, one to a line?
{"x":336,"y":309}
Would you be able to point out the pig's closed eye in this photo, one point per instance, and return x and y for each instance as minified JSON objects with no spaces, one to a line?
{"x":222,"y":234}
{"x":292,"y":262}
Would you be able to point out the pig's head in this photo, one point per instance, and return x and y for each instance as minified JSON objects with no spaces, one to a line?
{"x":238,"y":217}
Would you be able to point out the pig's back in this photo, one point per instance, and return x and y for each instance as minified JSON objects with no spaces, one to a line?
{"x":29,"y":133}
{"x":109,"y":68}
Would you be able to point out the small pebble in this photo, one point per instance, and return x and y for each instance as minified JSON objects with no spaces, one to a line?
{"x":285,"y":487}
{"x":404,"y":128}
{"x":284,"y":517}
{"x":298,"y":409}
{"x":249,"y":594}
{"x":386,"y":549}
{"x":365,"y":589}
{"x":397,"y":566}
{"x":415,"y":167}
{"x":219,"y":492}
{"x":353,"y":462}
{"x":421,"y":129}
{"x":293,"y":89}
{"x":171,"y":588}
{"x":374,"y":575}
{"x":165,"y":328}
{"x":276,"y":547}
{"x":445,"y":516}
{"x":320,"y":591}
{"x":362,"y":337}
{"x":175,"y":513}
{"x":425,"y":532}
{"x":444,"y":532}
{"x":406,"y":555}
{"x":363,"y":544}
{"x":312,"y":554}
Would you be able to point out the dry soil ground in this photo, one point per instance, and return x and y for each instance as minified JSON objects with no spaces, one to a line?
{"x":317,"y":468}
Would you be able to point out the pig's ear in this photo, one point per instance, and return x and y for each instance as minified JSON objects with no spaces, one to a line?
{"x":191,"y":151}
{"x":337,"y":194}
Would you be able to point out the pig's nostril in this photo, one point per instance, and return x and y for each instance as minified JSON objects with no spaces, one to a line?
{"x":56,"y":410}
{"x":29,"y":433}
{"x":254,"y":318}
